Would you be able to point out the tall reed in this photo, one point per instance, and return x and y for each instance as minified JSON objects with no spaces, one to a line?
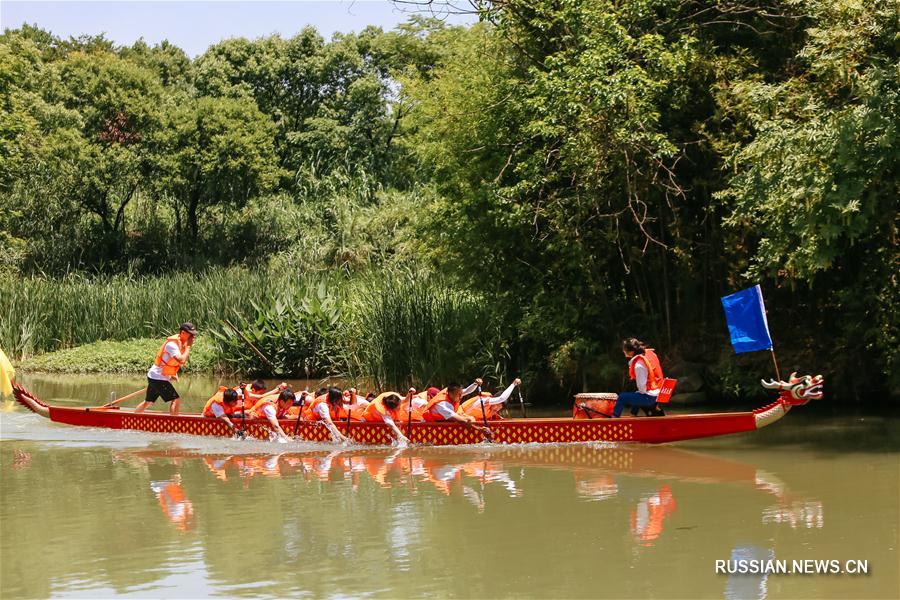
{"x":39,"y":315}
{"x":415,"y":330}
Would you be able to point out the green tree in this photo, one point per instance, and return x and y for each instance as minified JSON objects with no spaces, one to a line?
{"x":815,"y":188}
{"x":213,"y":152}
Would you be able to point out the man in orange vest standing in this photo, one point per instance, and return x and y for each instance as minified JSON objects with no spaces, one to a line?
{"x":173,"y":354}
{"x":644,"y":369}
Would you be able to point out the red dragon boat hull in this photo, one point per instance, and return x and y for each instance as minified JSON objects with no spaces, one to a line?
{"x":648,"y":430}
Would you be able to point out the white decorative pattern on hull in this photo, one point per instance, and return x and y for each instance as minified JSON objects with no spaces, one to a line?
{"x":767,"y":417}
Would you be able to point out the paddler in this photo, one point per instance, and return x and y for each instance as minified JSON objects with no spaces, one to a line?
{"x":174,"y":352}
{"x":421,"y":400}
{"x":328,"y":408}
{"x":271,"y":409}
{"x":389,"y":408}
{"x":492,"y":404}
{"x":644,"y":369}
{"x":252,"y":393}
{"x":444,"y":404}
{"x":223,"y":405}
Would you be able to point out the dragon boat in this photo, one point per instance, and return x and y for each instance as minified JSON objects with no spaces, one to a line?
{"x":595,"y":426}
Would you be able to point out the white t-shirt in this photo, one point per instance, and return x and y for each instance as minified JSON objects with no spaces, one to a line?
{"x":445,"y":409}
{"x":269,"y":411}
{"x":217,"y":410}
{"x":155,"y":372}
{"x":322,"y":411}
{"x":640,"y":377}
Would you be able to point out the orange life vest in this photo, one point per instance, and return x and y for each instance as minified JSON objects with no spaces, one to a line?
{"x":430,"y":414}
{"x":376,"y":410}
{"x":311,"y":413}
{"x":654,"y":370}
{"x":171,"y":366}
{"x":217,"y":398}
{"x":257,"y":411}
{"x":472,"y":407}
{"x":253,"y":397}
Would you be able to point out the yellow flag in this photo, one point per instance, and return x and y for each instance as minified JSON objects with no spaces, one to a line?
{"x":7,"y":374}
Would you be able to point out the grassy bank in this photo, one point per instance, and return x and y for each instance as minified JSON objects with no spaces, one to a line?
{"x":121,"y":357}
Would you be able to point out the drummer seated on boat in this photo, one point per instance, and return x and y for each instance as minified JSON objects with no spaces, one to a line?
{"x":644,"y":369}
{"x":223,"y":405}
{"x":272,"y":409}
{"x":389,"y":408}
{"x":491,"y":404}
{"x":328,"y":408}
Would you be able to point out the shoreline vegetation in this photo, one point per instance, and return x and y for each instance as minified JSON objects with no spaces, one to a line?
{"x":436,"y":202}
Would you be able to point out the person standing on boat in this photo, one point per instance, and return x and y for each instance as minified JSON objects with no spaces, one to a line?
{"x":174,"y":353}
{"x":644,"y":369}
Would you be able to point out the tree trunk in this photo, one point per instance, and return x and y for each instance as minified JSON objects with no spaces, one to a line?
{"x":193,"y":224}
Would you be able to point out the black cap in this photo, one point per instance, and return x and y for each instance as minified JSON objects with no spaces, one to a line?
{"x":188,"y":327}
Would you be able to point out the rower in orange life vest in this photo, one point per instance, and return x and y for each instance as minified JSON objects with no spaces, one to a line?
{"x":443,"y":407}
{"x":173,"y":354}
{"x":388,"y":408}
{"x":267,"y":407}
{"x":328,"y":408}
{"x":421,"y":400}
{"x":645,"y":370}
{"x":492,"y":404}
{"x":255,"y":391}
{"x":223,"y":406}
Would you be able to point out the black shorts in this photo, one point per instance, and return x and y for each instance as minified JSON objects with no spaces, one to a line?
{"x":157,"y":388}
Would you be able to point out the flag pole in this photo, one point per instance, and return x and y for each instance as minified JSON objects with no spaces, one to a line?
{"x":775,"y":362}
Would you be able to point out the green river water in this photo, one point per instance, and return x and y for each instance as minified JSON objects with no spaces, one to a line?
{"x":96,"y":513}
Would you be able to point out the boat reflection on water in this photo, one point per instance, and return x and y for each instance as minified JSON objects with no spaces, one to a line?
{"x":642,"y":477}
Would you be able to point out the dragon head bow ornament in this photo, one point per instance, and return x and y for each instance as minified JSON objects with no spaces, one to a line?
{"x":797,"y":390}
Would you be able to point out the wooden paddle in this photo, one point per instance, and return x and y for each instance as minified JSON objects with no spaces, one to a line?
{"x":522,"y":402}
{"x":349,"y":410}
{"x":124,"y":398}
{"x":486,"y":431}
{"x":299,"y":413}
{"x":243,"y":433}
{"x":410,"y":393}
{"x":483,"y":412}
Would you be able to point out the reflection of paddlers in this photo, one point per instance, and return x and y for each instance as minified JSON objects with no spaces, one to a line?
{"x":644,"y":369}
{"x":171,"y":356}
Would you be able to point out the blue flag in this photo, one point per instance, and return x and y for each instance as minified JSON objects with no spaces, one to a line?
{"x":746,"y":316}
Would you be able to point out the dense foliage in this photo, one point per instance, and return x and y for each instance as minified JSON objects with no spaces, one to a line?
{"x":590,"y":169}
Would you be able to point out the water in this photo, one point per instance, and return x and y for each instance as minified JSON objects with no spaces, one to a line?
{"x":100,"y":513}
